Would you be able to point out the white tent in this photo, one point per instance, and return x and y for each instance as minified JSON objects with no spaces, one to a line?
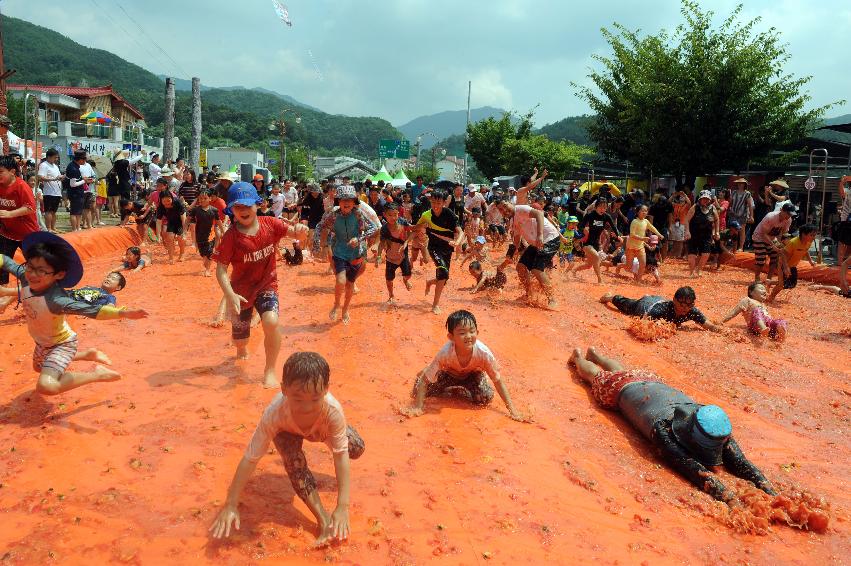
{"x":400,"y":180}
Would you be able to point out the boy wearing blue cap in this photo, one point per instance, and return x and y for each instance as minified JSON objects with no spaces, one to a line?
{"x":52,"y":266}
{"x":691,"y":436}
{"x":249,"y":247}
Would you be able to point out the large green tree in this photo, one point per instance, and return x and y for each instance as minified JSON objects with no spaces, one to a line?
{"x":507,"y":146}
{"x":703,"y":99}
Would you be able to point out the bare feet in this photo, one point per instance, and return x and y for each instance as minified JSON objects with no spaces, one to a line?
{"x":576,"y":354}
{"x":355,"y":289}
{"x":592,"y":356}
{"x":345,"y":318}
{"x":552,"y":305}
{"x":607,"y":298}
{"x":391,"y":301}
{"x":93,"y":355}
{"x":408,"y":284}
{"x":241,"y":352}
{"x":106,"y":374}
{"x":217,"y":322}
{"x":207,"y":273}
{"x":429,"y":285}
{"x":270,"y":380}
{"x":333,"y":314}
{"x":4,"y":302}
{"x":436,"y":309}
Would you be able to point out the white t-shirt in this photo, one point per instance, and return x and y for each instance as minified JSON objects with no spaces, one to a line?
{"x":474,"y":200}
{"x":50,"y":170}
{"x":154,"y":171}
{"x":290,"y":196}
{"x":493,"y":216}
{"x":329,"y":428}
{"x":527,"y":225}
{"x":277,"y":204}
{"x":86,"y":170}
{"x":772,"y":226}
{"x":447,"y":360}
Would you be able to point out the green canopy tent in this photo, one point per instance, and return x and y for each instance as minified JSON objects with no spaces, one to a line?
{"x":382,"y":175}
{"x":400,"y":180}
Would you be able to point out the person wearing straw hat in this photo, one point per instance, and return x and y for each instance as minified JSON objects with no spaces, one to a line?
{"x":692,"y":437}
{"x":52,"y":265}
{"x":741,"y":208}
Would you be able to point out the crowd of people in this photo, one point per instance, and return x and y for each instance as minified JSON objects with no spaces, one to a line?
{"x":247,"y":228}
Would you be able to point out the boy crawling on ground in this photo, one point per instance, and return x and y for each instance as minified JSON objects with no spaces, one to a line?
{"x":461,"y":368}
{"x":304,"y":404}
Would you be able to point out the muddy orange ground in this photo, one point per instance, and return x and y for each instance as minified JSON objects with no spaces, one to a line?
{"x":135,"y":471}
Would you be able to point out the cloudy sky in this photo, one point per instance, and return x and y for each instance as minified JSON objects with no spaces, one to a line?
{"x":400,"y":59}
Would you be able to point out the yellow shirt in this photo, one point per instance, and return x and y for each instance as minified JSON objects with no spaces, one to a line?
{"x":638,"y":231}
{"x":795,"y":251}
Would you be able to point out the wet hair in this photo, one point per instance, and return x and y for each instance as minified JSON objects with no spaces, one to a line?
{"x":204,"y":193}
{"x":8,"y":162}
{"x":135,"y":250}
{"x":752,"y":287}
{"x":525,"y":180}
{"x":475,"y":266}
{"x":600,"y":200}
{"x":685,"y":295}
{"x":438,"y":194}
{"x":460,"y":318}
{"x":308,"y":370}
{"x":52,"y":254}
{"x":121,"y":280}
{"x":807,"y":229}
{"x":123,"y":202}
{"x":165,"y":194}
{"x":391,"y":206}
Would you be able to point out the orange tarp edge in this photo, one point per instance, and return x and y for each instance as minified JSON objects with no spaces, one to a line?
{"x":99,"y":242}
{"x":823,"y":274}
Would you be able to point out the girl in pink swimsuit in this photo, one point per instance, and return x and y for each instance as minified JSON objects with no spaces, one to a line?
{"x":759,"y":321}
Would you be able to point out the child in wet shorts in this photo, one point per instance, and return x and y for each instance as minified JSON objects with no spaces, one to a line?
{"x":303,"y":404}
{"x":206,"y":219}
{"x":52,"y":265}
{"x":395,"y":235}
{"x":461,"y":368}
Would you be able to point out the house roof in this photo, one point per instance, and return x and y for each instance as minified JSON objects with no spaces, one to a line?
{"x":80,"y":92}
{"x":846,"y":128}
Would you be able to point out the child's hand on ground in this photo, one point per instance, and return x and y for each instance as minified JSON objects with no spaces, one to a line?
{"x":339,"y":525}
{"x":411,"y":412}
{"x":221,"y":526}
{"x":520,"y":417}
{"x":134,"y":314}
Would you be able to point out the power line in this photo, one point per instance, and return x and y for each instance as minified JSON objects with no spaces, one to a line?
{"x":126,"y":33}
{"x":176,"y":64}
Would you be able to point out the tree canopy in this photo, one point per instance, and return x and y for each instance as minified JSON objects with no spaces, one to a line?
{"x":704,"y":99}
{"x":504,"y":146}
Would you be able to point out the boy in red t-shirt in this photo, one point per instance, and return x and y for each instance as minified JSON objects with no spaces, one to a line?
{"x":249,"y":246}
{"x":17,"y":213}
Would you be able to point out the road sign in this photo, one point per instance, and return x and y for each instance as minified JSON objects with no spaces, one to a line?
{"x":202,"y":157}
{"x":275,"y":143}
{"x":810,"y":184}
{"x":271,"y":161}
{"x":394,"y":149}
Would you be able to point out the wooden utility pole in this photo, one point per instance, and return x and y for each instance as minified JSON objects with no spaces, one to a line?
{"x":168,"y":131}
{"x":4,"y":74}
{"x":195,"y":144}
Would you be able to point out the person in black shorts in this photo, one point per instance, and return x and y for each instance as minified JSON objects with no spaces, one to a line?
{"x":593,"y":226}
{"x":174,"y":214}
{"x":444,"y":233}
{"x":394,"y":239}
{"x":206,"y":219}
{"x":702,"y":228}
{"x":678,"y":311}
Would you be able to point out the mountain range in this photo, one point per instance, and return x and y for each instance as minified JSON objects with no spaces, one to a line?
{"x":185,"y":85}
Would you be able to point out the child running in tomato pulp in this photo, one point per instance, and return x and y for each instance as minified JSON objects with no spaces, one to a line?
{"x":52,"y":266}
{"x":304,"y":404}
{"x":757,"y":317}
{"x":249,"y":247}
{"x":207,"y":228}
{"x":461,"y":368}
{"x":395,"y":234}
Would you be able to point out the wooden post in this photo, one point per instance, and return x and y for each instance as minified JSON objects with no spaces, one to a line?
{"x":168,"y":131}
{"x":195,"y":144}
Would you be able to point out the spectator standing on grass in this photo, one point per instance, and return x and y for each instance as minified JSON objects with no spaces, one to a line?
{"x":51,"y":177}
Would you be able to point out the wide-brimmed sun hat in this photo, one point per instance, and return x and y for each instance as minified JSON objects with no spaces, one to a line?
{"x":74,"y":271}
{"x":779,"y":183}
